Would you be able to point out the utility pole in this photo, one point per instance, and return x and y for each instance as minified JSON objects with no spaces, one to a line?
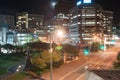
{"x":51,"y":56}
{"x":105,"y":43}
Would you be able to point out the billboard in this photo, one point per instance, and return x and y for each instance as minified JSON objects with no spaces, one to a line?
{"x":79,"y":2}
{"x":87,"y":1}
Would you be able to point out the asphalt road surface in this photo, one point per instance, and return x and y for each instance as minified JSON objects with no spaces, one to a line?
{"x":76,"y":69}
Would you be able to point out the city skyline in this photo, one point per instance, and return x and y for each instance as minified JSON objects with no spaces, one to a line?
{"x":44,"y":7}
{"x":59,"y":40}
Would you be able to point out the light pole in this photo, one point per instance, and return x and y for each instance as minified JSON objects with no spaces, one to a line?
{"x":86,"y":72}
{"x":104,"y":42}
{"x":60,"y":34}
{"x":51,"y":55}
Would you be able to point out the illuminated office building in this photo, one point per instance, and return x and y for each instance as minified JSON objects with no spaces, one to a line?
{"x":31,"y":22}
{"x":3,"y":31}
{"x":6,"y":22}
{"x":89,"y":22}
{"x":27,"y":26}
{"x":86,"y":22}
{"x":108,"y":22}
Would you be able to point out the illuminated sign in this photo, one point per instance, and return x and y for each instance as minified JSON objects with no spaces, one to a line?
{"x":87,"y":1}
{"x":78,"y":3}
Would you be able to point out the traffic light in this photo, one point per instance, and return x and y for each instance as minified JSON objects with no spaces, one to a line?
{"x":113,"y":41}
{"x":102,"y":47}
{"x":86,"y":51}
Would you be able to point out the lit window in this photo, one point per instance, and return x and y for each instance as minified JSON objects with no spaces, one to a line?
{"x":19,"y":17}
{"x":90,"y":15}
{"x":78,"y":14}
{"x":78,"y":22}
{"x":37,"y":23}
{"x":41,"y":23}
{"x":29,"y":19}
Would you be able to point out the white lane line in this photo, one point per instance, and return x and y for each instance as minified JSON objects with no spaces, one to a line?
{"x":80,"y":76}
{"x":81,"y":67}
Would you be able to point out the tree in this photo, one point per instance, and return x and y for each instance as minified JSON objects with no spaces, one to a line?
{"x":43,"y":59}
{"x":95,"y":47}
{"x":118,"y":56}
{"x":117,"y":63}
{"x":70,"y":50}
{"x":8,"y":46}
{"x":38,"y":46}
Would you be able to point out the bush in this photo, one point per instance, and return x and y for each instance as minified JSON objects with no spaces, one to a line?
{"x":118,"y":56}
{"x":117,"y":63}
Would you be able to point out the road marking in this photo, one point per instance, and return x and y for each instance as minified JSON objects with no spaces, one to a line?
{"x":80,"y":77}
{"x":62,"y":78}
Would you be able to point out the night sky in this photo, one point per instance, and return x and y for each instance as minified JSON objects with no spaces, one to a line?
{"x":111,"y":5}
{"x":43,"y":7}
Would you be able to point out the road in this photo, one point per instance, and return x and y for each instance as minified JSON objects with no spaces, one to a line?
{"x":76,"y":69}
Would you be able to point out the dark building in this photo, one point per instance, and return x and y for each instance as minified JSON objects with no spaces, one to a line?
{"x":63,"y":6}
{"x":7,"y":19}
{"x":60,"y":22}
{"x":102,"y":75}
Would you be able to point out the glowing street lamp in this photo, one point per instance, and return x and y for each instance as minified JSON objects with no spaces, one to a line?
{"x":60,"y":34}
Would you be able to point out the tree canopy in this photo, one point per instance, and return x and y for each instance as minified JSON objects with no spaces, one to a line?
{"x":8,"y":46}
{"x":43,"y":59}
{"x":117,"y":63}
{"x":38,"y":46}
{"x":70,"y":50}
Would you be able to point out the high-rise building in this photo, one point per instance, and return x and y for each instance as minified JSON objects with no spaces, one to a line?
{"x":6,"y":22}
{"x":31,"y":22}
{"x":86,"y":23}
{"x":108,"y":22}
{"x":89,"y":22}
{"x":3,"y":31}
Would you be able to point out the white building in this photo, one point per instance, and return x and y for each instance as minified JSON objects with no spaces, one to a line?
{"x":3,"y":31}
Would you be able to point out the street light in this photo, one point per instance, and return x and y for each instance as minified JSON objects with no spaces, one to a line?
{"x":60,"y":34}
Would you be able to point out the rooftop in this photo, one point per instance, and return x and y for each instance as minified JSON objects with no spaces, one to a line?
{"x":108,"y":74}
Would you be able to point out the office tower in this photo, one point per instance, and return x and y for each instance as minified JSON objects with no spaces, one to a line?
{"x":86,"y":22}
{"x":108,"y":22}
{"x":31,"y":22}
